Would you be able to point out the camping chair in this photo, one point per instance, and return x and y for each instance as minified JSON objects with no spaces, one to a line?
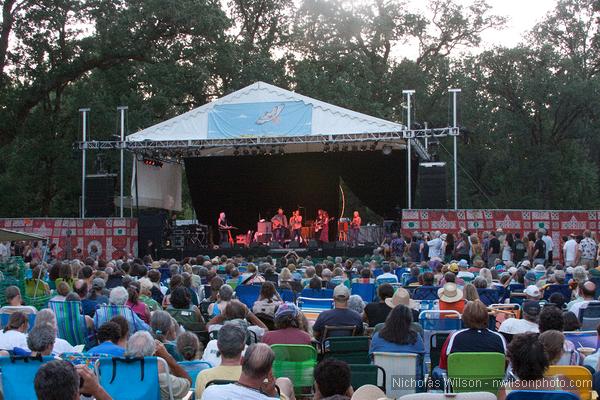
{"x":426,"y":293}
{"x":406,"y":365}
{"x":540,"y":395}
{"x":353,"y":350}
{"x":89,"y":360}
{"x":287,"y":295}
{"x":565,"y":290}
{"x":247,"y":294}
{"x":317,"y":293}
{"x":131,"y":378}
{"x":583,"y":338}
{"x":106,"y":312}
{"x":366,"y":291}
{"x":18,"y":374}
{"x":250,"y":336}
{"x":501,"y":312}
{"x":193,"y":368}
{"x":297,"y":362}
{"x":438,"y":321}
{"x":4,"y":317}
{"x":469,"y":372}
{"x":337,"y":331}
{"x":367,"y":374}
{"x":488,"y":296}
{"x":71,"y":322}
{"x":580,"y":376}
{"x":590,"y":316}
{"x":314,"y":304}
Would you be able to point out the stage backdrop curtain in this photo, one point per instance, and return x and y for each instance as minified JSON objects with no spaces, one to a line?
{"x":158,"y":187}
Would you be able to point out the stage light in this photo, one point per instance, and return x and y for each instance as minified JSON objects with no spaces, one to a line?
{"x":373,"y":146}
{"x":153,"y":163}
{"x":386,"y":150}
{"x":254,"y":152}
{"x":363,"y":147}
{"x":236,"y":152}
{"x":336,"y":147}
{"x":326,"y":148}
{"x":246,"y":152}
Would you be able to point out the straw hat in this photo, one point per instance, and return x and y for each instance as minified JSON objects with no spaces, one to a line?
{"x":450,"y":293}
{"x":368,"y":392}
{"x":401,"y":296}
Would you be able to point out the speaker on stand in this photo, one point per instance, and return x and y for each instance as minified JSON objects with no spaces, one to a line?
{"x":432,"y":185}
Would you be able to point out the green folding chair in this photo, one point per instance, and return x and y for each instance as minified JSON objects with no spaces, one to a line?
{"x":367,"y":374}
{"x":476,"y":372}
{"x":351,"y":349}
{"x":297,"y":362}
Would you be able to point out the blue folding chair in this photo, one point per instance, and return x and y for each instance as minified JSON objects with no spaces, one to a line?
{"x":18,"y":374}
{"x":317,"y":293}
{"x":488,"y":296}
{"x":287,"y":295}
{"x":540,"y":395}
{"x":366,"y":291}
{"x":583,"y":338}
{"x":565,"y":290}
{"x":377,"y":272}
{"x":5,"y":317}
{"x":314,"y":305}
{"x":193,"y":368}
{"x":131,"y":378}
{"x":247,"y":294}
{"x":438,"y":321}
{"x":426,"y":293}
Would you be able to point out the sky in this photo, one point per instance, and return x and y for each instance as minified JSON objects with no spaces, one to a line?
{"x":521,"y":15}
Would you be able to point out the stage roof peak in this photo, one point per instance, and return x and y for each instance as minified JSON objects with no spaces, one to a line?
{"x":264,"y":110}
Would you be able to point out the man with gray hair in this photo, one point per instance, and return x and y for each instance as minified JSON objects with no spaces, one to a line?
{"x":256,"y":381}
{"x":142,"y":344}
{"x":46,"y":317}
{"x":231,"y":343}
{"x":117,"y":299}
{"x":435,"y":246}
{"x":40,"y":340}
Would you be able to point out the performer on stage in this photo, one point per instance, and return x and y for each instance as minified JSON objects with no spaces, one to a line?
{"x":355,"y":228}
{"x":296,"y":224}
{"x":280,"y":225}
{"x":224,"y":229}
{"x":322,"y":226}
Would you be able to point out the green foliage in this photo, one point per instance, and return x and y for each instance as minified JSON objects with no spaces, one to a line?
{"x":531,"y":111}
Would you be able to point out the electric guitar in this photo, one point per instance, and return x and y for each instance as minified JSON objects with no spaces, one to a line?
{"x":321,"y":223}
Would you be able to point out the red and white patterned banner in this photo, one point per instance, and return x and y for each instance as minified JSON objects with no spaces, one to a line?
{"x":114,"y":237}
{"x":558,"y":223}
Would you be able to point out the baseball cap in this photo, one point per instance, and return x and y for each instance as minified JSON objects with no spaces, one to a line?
{"x":532,"y":291}
{"x":512,"y":270}
{"x":530,"y":276}
{"x":539,"y":268}
{"x":526,"y":263}
{"x":286,"y":309}
{"x":453,"y":267}
{"x":531,"y":307}
{"x":98,"y":283}
{"x":341,"y":291}
{"x":463,"y":263}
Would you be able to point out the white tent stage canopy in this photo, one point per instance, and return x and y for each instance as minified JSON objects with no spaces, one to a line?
{"x":267,"y":118}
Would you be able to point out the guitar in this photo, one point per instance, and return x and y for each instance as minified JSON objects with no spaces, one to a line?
{"x":321,"y":223}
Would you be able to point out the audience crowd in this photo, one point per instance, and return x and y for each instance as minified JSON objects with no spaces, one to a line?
{"x":519,"y":295}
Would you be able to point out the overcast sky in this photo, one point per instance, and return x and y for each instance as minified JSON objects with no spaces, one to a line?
{"x":521,"y":16}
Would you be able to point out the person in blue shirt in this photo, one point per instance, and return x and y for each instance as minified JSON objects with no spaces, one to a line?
{"x":397,"y":335}
{"x":108,"y":336}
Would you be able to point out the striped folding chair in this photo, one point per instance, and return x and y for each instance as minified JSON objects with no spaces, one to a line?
{"x":71,"y":322}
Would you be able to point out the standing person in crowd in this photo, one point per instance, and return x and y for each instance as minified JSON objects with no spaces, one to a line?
{"x":571,"y":251}
{"x":476,"y":247}
{"x":435,"y":246}
{"x":588,"y":250}
{"x":507,"y":254}
{"x":494,"y":250}
{"x":448,"y":239}
{"x":549,"y":246}
{"x":397,"y":245}
{"x":539,"y":250}
{"x":519,"y":249}
{"x":463,"y":247}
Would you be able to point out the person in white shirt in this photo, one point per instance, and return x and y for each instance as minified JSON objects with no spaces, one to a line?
{"x":588,"y":291}
{"x":14,"y":333}
{"x":256,"y":382}
{"x":435,"y":246}
{"x":47,"y":317}
{"x":529,"y":323}
{"x":4,"y":251}
{"x":387,"y":276}
{"x":549,"y":245}
{"x":571,"y":251}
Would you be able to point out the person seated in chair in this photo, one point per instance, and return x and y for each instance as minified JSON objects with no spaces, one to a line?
{"x":14,"y":334}
{"x":238,"y":310}
{"x":398,"y":334}
{"x":184,"y":312}
{"x":108,"y":335}
{"x":288,"y":323}
{"x":141,"y":344}
{"x":74,"y":382}
{"x":40,"y":341}
{"x":340,"y":315}
{"x":529,"y":323}
{"x":230,"y":344}
{"x":377,"y":312}
{"x":256,"y":381}
{"x":15,"y":302}
{"x":118,"y":297}
{"x":333,"y":380}
{"x":387,"y":275}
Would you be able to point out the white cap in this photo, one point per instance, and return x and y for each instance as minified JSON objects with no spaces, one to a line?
{"x":532,"y":291}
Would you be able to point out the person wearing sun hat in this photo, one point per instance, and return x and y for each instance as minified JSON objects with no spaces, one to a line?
{"x":369,"y":392}
{"x":401,"y":296}
{"x":451,"y":298}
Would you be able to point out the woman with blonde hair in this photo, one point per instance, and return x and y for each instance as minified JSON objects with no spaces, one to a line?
{"x":470,"y":292}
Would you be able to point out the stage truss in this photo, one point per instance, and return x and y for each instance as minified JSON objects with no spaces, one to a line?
{"x":205,"y":147}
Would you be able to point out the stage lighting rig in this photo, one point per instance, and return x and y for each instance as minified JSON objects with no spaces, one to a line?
{"x":153,"y":163}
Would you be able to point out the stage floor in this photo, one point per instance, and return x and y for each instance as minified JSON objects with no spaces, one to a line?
{"x":263,"y":251}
